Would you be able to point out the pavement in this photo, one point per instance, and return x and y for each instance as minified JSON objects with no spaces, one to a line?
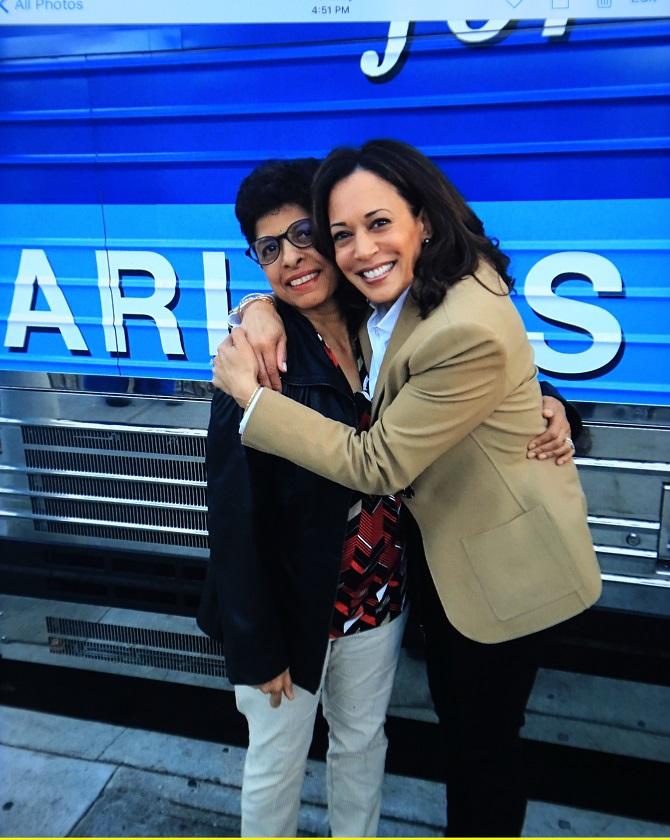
{"x":63,"y":777}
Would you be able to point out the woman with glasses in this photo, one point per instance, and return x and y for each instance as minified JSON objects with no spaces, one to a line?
{"x":455,"y":398}
{"x":306,"y":586}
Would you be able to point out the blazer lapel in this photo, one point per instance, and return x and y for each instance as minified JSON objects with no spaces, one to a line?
{"x":407,"y":321}
{"x":366,"y":347}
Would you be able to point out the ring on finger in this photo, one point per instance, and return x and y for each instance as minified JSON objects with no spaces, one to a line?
{"x":569,"y":441}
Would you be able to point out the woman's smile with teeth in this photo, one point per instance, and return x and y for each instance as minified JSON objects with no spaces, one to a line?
{"x":305,"y":278}
{"x":374,"y":273}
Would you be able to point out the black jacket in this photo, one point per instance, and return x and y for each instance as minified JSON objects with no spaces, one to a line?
{"x":276,"y":531}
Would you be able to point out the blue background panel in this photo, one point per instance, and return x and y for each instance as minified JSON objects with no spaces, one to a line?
{"x":629,"y":234}
{"x":526,"y":116}
{"x":137,"y":138}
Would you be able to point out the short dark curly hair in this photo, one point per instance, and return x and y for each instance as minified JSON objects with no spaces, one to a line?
{"x":272,"y":185}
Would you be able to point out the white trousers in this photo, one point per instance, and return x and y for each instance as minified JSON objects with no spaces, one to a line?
{"x":355,"y":691}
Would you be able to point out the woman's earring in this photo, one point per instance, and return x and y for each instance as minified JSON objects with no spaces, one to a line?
{"x":426,"y":242}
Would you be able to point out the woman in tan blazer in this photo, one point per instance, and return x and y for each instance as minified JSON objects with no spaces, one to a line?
{"x":455,"y":398}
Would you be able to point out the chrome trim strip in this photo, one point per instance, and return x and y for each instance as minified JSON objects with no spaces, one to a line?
{"x":640,"y":466}
{"x":105,"y":427}
{"x":120,"y":476}
{"x":40,"y":494}
{"x":601,"y":549}
{"x":182,"y":390}
{"x":626,"y":552}
{"x":625,"y":415}
{"x":637,"y":581}
{"x":145,"y":503}
{"x":101,"y":522}
{"x":620,"y":415}
{"x":624,"y":523}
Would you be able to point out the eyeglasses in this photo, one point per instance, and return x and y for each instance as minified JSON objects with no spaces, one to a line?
{"x":266,"y":249}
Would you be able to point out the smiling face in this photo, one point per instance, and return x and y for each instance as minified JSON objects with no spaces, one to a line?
{"x":377,"y":237}
{"x":300,"y":277}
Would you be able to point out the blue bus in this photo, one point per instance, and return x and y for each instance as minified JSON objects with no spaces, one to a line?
{"x":121,"y":151}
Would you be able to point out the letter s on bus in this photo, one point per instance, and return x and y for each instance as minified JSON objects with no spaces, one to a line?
{"x":601,"y":324}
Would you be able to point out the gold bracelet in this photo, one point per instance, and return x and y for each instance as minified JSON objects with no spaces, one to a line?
{"x":252,"y":398}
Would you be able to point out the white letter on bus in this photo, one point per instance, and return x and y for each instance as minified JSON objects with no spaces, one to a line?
{"x":216,"y":297}
{"x":372,"y":65}
{"x":554,"y":27}
{"x":464,"y":32}
{"x":601,"y":324}
{"x":112,"y":265}
{"x":35,"y":272}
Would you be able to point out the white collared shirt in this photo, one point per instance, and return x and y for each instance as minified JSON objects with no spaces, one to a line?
{"x":380,"y":328}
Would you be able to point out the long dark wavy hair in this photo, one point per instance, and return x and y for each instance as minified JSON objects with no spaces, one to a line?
{"x":458,"y":241}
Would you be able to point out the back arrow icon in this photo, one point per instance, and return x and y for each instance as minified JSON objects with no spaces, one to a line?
{"x":3,"y":7}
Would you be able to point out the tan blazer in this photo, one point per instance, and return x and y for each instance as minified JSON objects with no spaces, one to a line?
{"x":456,"y":402}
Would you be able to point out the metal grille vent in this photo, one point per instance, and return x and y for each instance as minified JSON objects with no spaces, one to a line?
{"x":136,"y":646}
{"x":187,"y":446}
{"x":112,"y":464}
{"x":110,"y":488}
{"x":120,"y":485}
{"x":150,"y":517}
{"x":107,"y":532}
{"x":143,"y":636}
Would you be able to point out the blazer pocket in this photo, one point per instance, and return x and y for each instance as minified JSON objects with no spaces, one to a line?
{"x":521,"y":565}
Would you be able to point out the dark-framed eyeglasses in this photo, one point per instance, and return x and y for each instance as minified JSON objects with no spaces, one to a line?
{"x":265,"y":250}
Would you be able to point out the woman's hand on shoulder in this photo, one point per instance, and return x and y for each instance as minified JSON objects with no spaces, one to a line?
{"x":265,"y":332}
{"x":235,"y":369}
{"x":281,"y":685}
{"x":555,"y":442}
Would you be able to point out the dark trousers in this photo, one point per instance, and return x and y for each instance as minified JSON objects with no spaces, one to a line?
{"x":480,"y":693}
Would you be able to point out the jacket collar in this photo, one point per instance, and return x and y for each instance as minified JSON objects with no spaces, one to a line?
{"x":308,"y":363}
{"x":405,"y":325}
{"x":364,"y":339}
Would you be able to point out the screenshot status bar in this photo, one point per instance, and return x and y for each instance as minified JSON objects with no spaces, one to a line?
{"x":119,"y":12}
